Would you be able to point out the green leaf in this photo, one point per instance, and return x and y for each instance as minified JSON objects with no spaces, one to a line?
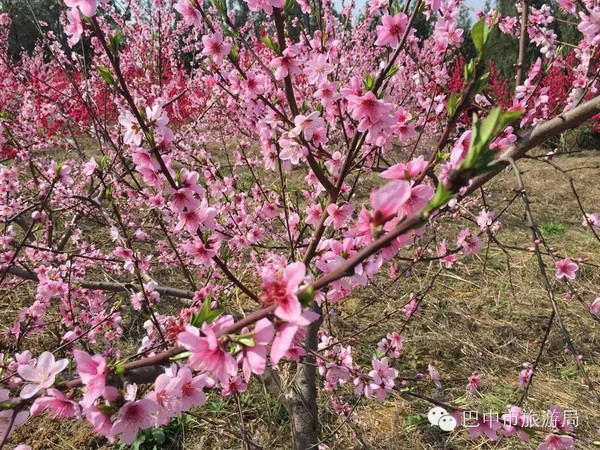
{"x":479,"y":156}
{"x":369,"y":81}
{"x":529,"y":431}
{"x":228,"y":31}
{"x":120,"y":369}
{"x":480,"y":34}
{"x":469,"y":71}
{"x":114,"y":42}
{"x":221,"y":6}
{"x":481,"y":83}
{"x":452,"y":104}
{"x":206,"y":314}
{"x":159,"y":435}
{"x":271,"y":44}
{"x":102,"y":164}
{"x":180,"y":356}
{"x":304,"y":107}
{"x":477,"y":35}
{"x":442,"y":196}
{"x":106,"y":75}
{"x":247,"y":340}
{"x":393,"y":71}
{"x":59,"y":167}
{"x":107,"y":409}
{"x":307,"y":296}
{"x":508,"y":118}
{"x":489,"y":125}
{"x":415,"y":420}
{"x":234,"y":52}
{"x":442,"y":156}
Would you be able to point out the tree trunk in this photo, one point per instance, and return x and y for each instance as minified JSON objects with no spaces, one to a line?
{"x":301,"y":397}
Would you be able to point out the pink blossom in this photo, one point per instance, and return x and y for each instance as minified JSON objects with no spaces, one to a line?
{"x":41,"y":376}
{"x":167,"y":396}
{"x":592,"y":221}
{"x":412,"y":308}
{"x":287,"y":64}
{"x":469,"y":242}
{"x":133,"y":133}
{"x":557,"y":419}
{"x":291,"y":150}
{"x":281,"y":289}
{"x":557,"y":442}
{"x":446,"y":257}
{"x":525,"y":376}
{"x":327,"y":94}
{"x":255,"y":356}
{"x":338,"y":215}
{"x":488,"y":425}
{"x":382,"y":379}
{"x":6,"y":416}
{"x":566,"y":268}
{"x":419,"y":197}
{"x":56,"y":404}
{"x":386,"y":201}
{"x":405,"y":171}
{"x":183,"y":200}
{"x":265,"y":5}
{"x":133,"y":417}
{"x":485,"y":219}
{"x":391,"y":30}
{"x":286,"y":333}
{"x":93,"y":371}
{"x":595,"y":307}
{"x":317,"y":69}
{"x":590,"y":25}
{"x":192,"y":393}
{"x":74,"y":28}
{"x":100,"y":422}
{"x":215,"y":47}
{"x":306,"y":125}
{"x":191,"y":16}
{"x":434,"y":376}
{"x":474,"y":382}
{"x":253,"y":84}
{"x":158,"y":119}
{"x":234,"y":386}
{"x":514,"y":422}
{"x":207,"y":353}
{"x":367,"y":106}
{"x":202,"y":252}
{"x":283,"y":341}
{"x":87,"y":7}
{"x":313,"y":214}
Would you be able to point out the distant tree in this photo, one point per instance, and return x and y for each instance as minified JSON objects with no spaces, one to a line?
{"x":465,"y":22}
{"x":26,"y":16}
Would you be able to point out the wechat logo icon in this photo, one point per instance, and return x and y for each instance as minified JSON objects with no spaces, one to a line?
{"x":439,"y":417}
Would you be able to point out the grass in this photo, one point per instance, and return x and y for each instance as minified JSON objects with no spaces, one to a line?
{"x":488,"y":315}
{"x":551,"y":228}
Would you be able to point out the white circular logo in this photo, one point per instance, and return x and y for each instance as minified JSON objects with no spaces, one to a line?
{"x":439,"y":417}
{"x":447,"y":423}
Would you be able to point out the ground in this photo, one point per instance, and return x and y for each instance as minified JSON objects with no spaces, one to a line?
{"x":481,"y":316}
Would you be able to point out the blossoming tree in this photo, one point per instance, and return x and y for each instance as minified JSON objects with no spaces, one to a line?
{"x":176,"y":165}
